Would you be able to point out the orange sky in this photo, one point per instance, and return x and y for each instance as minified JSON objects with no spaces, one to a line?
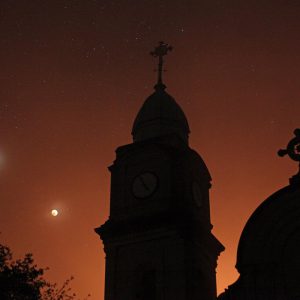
{"x":73,"y":76}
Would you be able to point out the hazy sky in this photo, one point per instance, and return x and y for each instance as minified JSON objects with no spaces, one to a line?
{"x":75,"y":73}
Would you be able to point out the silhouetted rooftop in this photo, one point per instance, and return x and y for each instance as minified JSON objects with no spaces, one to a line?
{"x":268,"y":229}
{"x":160,"y":115}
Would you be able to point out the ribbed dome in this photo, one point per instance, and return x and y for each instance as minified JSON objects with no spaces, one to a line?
{"x":160,"y":115}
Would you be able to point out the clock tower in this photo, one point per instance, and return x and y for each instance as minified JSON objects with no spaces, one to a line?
{"x":157,"y":240}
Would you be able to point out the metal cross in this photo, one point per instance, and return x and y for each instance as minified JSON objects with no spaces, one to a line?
{"x":293,"y":147}
{"x":160,"y":51}
{"x":293,"y":151}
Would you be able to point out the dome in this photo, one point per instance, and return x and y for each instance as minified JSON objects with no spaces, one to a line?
{"x":270,"y":228}
{"x":268,"y":257}
{"x":160,"y":115}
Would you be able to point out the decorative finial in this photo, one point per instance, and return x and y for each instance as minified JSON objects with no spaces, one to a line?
{"x":160,"y":51}
{"x":293,"y":151}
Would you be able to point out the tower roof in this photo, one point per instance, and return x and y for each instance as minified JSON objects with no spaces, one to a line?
{"x":160,"y":114}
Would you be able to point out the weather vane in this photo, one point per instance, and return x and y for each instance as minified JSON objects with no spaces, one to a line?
{"x":160,"y":51}
{"x":293,"y":151}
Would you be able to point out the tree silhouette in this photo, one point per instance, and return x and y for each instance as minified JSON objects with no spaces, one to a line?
{"x":23,"y":280}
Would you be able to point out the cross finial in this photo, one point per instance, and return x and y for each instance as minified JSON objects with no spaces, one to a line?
{"x":160,"y":51}
{"x":293,"y":151}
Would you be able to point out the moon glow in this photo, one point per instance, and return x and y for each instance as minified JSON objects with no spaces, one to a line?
{"x":2,"y":160}
{"x":54,"y":212}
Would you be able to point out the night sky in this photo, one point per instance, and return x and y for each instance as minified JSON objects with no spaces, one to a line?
{"x":75,"y":73}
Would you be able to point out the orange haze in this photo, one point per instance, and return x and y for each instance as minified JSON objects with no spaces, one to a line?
{"x":73,"y":76}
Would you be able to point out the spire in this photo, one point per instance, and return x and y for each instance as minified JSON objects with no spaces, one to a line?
{"x":160,"y":51}
{"x":293,"y":151}
{"x":160,"y":115}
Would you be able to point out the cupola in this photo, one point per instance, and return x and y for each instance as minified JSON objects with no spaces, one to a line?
{"x":160,"y":115}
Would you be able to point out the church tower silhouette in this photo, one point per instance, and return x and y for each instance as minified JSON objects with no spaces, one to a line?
{"x":157,"y":240}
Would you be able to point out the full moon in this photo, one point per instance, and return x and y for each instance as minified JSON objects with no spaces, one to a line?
{"x":54,"y":212}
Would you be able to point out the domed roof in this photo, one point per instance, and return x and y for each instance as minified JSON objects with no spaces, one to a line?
{"x":270,"y":229}
{"x":268,"y":258}
{"x":160,"y":115}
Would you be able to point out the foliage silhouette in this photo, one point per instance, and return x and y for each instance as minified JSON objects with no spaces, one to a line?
{"x":23,"y":280}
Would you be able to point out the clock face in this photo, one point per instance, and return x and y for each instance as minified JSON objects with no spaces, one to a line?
{"x":144,"y":185}
{"x":197,"y":194}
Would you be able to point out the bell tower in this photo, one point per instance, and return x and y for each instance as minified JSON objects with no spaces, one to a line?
{"x":157,"y":240}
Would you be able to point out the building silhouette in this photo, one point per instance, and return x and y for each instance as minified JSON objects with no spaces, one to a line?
{"x":157,"y":240}
{"x":268,"y":257}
